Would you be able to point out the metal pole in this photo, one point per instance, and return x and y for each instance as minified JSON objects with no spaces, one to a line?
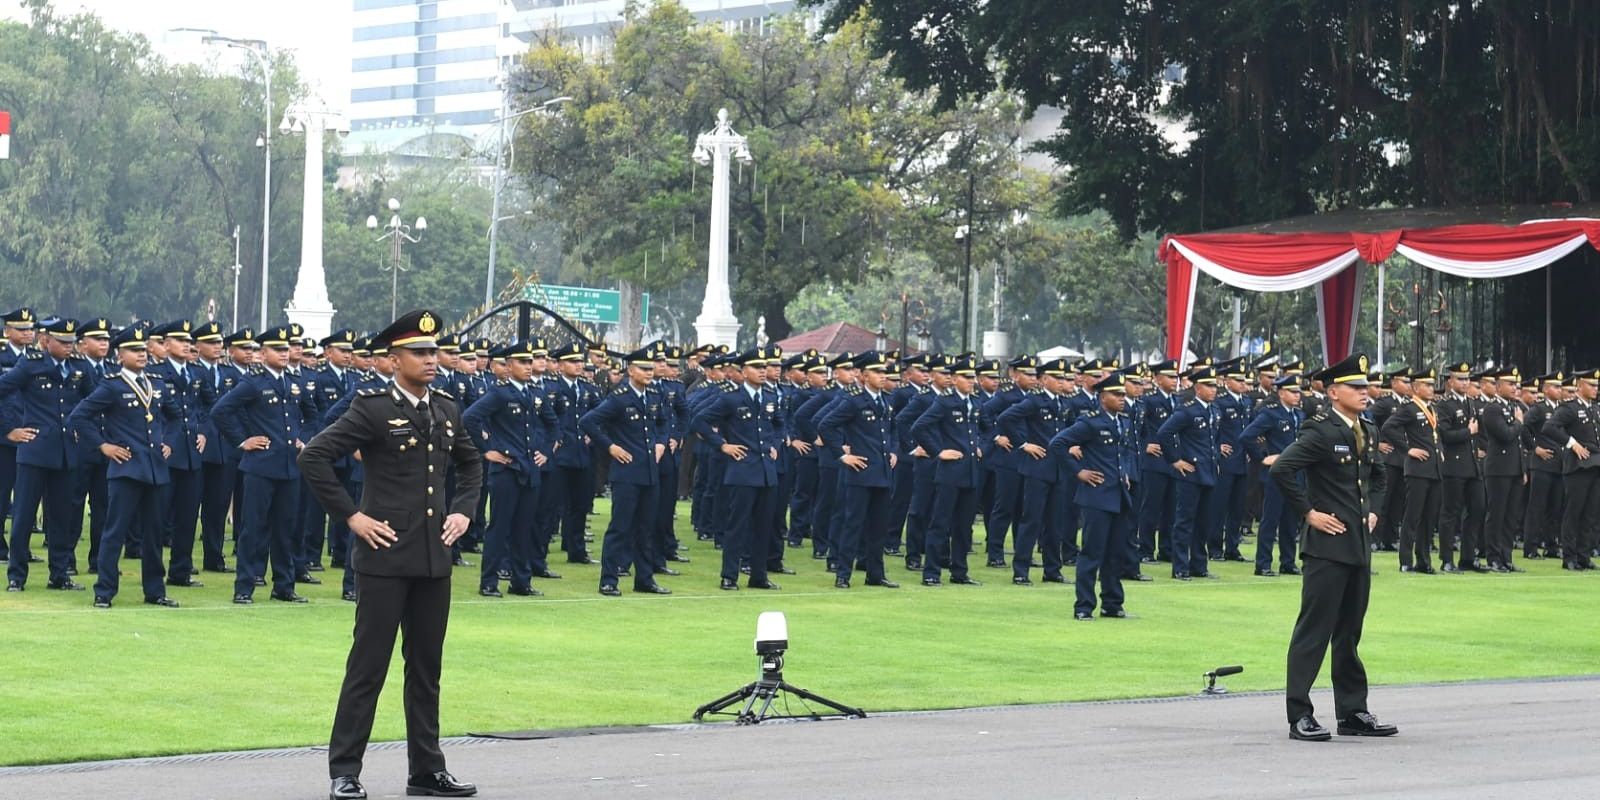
{"x":1380,"y":312}
{"x":394,"y":272}
{"x":1549,"y":354}
{"x":237,"y":268}
{"x":494,"y":216}
{"x":966,"y":275}
{"x":266,"y":190}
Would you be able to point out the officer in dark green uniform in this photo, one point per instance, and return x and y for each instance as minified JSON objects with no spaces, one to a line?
{"x":1338,"y":451}
{"x":408,"y":435}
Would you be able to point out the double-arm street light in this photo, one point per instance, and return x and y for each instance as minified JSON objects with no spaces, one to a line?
{"x":398,"y":234}
{"x":500,"y":180}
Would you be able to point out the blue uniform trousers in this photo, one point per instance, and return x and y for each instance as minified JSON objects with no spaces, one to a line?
{"x":1105,"y":545}
{"x":900,"y":499}
{"x":1222,"y":536}
{"x":921,"y":506}
{"x":801,"y":501}
{"x":509,"y":540}
{"x":949,"y":537}
{"x":822,"y":511}
{"x":1156,"y":512}
{"x":1038,"y":528}
{"x":182,"y":513}
{"x":1188,"y":542}
{"x":1003,"y":510}
{"x":130,"y":505}
{"x":568,"y":496}
{"x":627,"y":542}
{"x":215,"y":493}
{"x":51,"y":488}
{"x":749,"y":534}
{"x":664,"y":542}
{"x":1278,"y":527}
{"x":860,"y":547}
{"x":271,"y":507}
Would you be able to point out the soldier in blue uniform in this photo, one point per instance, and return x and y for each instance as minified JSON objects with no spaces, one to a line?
{"x":914,"y":381}
{"x":380,"y":377}
{"x":186,"y":437}
{"x":1189,"y":443}
{"x":744,"y":423}
{"x":262,"y":416}
{"x":1135,"y":382}
{"x":517,"y":431}
{"x":125,"y":417}
{"x":1227,"y":511}
{"x":242,"y":351}
{"x":569,"y":491}
{"x":1156,"y":504}
{"x":952,"y":431}
{"x":627,"y":426}
{"x":676,"y":407}
{"x":474,"y":361}
{"x":1270,"y":432}
{"x":1006,"y":508}
{"x":333,"y":381}
{"x":94,"y":342}
{"x":1096,"y":452}
{"x":215,"y":478}
{"x":988,"y":386}
{"x":829,"y":477}
{"x":803,"y":457}
{"x":920,"y":504}
{"x":45,"y":385}
{"x":1029,"y":425}
{"x":860,"y":437}
{"x":19,"y":333}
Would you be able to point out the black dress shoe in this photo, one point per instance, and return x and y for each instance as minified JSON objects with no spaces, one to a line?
{"x":1054,"y":579}
{"x":490,"y":591}
{"x":1425,"y":570}
{"x":1118,"y":614}
{"x":1021,"y":581}
{"x":932,"y":582}
{"x":524,"y":591}
{"x":1235,"y":557}
{"x":884,"y":583}
{"x":243,"y":599}
{"x":460,"y":562}
{"x":966,"y":581}
{"x":1138,"y":577}
{"x":548,"y":575}
{"x":1513,"y":568}
{"x":653,"y":588}
{"x":503,"y":574}
{"x":1449,"y":567}
{"x":1070,"y":561}
{"x":1289,"y":570}
{"x":14,"y":586}
{"x":1266,"y":573}
{"x":580,"y":560}
{"x":1308,"y":729}
{"x":1181,"y":576}
{"x":764,"y":585}
{"x":1362,"y":723}
{"x":189,"y":582}
{"x":349,"y":597}
{"x":33,"y":559}
{"x":438,"y":784}
{"x":315,"y":566}
{"x":728,"y":586}
{"x":217,"y":568}
{"x":346,"y":788}
{"x":1147,"y":560}
{"x":781,"y":570}
{"x":289,"y":597}
{"x":261,"y":581}
{"x":161,"y":601}
{"x":996,"y":563}
{"x":610,"y":591}
{"x":72,"y":571}
{"x":891,"y":551}
{"x":841,"y":583}
{"x":64,"y":586}
{"x":678,"y":559}
{"x":1206,"y":575}
{"x":102,"y":602}
{"x":306,"y":577}
{"x":668,"y":571}
{"x":914,"y":564}
{"x":1083,"y":616}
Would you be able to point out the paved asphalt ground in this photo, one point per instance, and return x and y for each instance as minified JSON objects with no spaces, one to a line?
{"x":1533,"y":739}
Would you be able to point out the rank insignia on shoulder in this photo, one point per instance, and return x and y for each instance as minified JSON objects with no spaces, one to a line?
{"x":442,"y":393}
{"x":1320,"y":416}
{"x":371,"y":392}
{"x":34,"y":355}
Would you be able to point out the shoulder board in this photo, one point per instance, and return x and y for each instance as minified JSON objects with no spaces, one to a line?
{"x":1191,"y":401}
{"x":1091,"y":414}
{"x":442,"y":393}
{"x":375,"y":391}
{"x":853,"y":389}
{"x":34,"y":355}
{"x":1320,"y":416}
{"x":255,"y":370}
{"x":619,"y":391}
{"x":729,"y":387}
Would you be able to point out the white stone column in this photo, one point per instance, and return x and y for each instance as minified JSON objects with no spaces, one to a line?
{"x":716,"y":323}
{"x":310,"y":306}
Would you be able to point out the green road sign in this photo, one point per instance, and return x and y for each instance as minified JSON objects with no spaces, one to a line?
{"x":582,"y":304}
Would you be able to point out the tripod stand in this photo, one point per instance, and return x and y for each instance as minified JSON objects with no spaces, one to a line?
{"x":766,"y":690}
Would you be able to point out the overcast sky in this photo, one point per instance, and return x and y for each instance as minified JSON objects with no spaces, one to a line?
{"x":318,"y":31}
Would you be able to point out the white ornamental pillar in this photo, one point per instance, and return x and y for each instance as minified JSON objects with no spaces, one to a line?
{"x":310,"y":306}
{"x":716,"y":323}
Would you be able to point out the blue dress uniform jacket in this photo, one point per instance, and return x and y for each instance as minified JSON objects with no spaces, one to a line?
{"x":756,"y":423}
{"x":114,"y":413}
{"x":190,"y":417}
{"x":517,"y":421}
{"x":952,"y":422}
{"x":572,"y":399}
{"x":1036,"y":419}
{"x":1190,"y":434}
{"x":633,"y":419}
{"x":262,"y":405}
{"x":998,"y":457}
{"x":1270,"y":432}
{"x":42,"y":398}
{"x":1156,"y":407}
{"x":1233,"y":413}
{"x":862,"y":424}
{"x":1102,"y":438}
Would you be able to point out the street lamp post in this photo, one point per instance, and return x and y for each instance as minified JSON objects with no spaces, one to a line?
{"x":717,"y":324}
{"x":237,"y":268}
{"x":257,"y":49}
{"x":398,"y":234}
{"x":500,"y":181}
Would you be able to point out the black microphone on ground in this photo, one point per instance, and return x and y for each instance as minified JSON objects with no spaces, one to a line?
{"x":1220,"y":672}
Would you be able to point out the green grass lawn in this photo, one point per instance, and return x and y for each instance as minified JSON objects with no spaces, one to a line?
{"x":138,"y":680}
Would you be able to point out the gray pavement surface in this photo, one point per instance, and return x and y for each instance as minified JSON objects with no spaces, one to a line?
{"x":1516,"y":739}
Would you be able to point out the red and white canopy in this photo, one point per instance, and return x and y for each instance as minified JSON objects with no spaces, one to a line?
{"x":1333,"y":262}
{"x":5,"y":135}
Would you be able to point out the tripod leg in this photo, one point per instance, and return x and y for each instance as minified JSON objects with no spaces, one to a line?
{"x":725,"y":701}
{"x":820,"y":700}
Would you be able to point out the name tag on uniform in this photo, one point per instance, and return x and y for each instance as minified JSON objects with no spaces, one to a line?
{"x":1341,"y":448}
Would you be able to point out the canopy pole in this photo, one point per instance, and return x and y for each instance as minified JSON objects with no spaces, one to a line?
{"x":1549,"y":356}
{"x":1381,"y":362}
